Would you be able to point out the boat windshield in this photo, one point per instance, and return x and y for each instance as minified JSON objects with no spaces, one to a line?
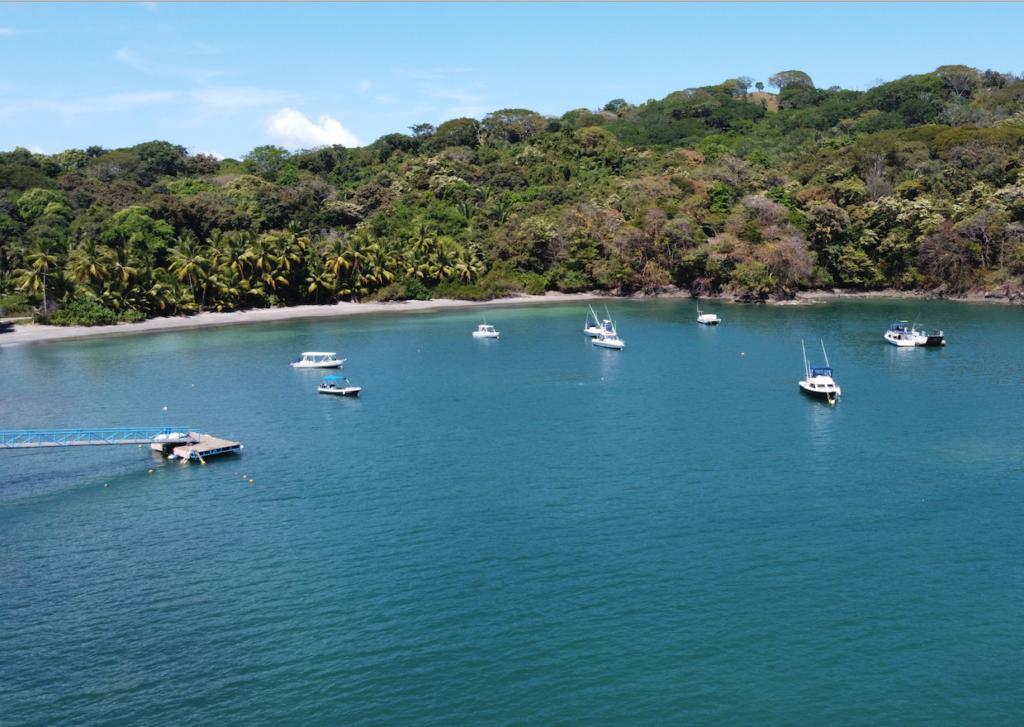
{"x":821,"y":371}
{"x":900,"y":327}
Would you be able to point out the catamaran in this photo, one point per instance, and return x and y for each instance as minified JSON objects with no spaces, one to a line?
{"x":818,"y":380}
{"x":485,"y":331}
{"x":318,"y":360}
{"x":339,"y":386}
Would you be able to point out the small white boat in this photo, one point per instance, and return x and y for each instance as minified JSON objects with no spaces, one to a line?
{"x":339,"y":386}
{"x":902,"y":334}
{"x":818,"y":380}
{"x":318,"y":360}
{"x":598,"y":326}
{"x":609,"y":340}
{"x":485,"y":331}
{"x":708,"y":319}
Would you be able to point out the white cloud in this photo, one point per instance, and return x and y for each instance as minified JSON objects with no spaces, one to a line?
{"x":293,"y":130}
{"x":37,"y":150}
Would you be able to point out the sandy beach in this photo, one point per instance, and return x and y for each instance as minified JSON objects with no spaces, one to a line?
{"x":12,"y":335}
{"x":25,"y":334}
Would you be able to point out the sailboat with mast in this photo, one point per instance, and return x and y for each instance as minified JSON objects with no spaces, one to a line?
{"x":598,"y":327}
{"x":818,"y":381}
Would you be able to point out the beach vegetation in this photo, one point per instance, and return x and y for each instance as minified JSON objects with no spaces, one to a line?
{"x":914,"y":183}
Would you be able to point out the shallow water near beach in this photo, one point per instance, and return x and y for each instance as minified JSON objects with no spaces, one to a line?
{"x":527,"y":530}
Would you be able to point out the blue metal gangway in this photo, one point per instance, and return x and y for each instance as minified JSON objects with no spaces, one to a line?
{"x":32,"y":438}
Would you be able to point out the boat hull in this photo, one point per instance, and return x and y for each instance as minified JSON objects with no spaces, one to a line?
{"x":477,"y":334}
{"x":348,"y":391}
{"x":714,"y":322}
{"x":316,"y":365}
{"x":609,"y":344}
{"x":592,"y":332}
{"x":829,"y":394}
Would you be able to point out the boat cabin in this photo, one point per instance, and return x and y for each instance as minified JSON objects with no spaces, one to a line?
{"x":817,"y":371}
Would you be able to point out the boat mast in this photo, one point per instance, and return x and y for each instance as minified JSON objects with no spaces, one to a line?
{"x":826,"y":354}
{"x":807,"y":370}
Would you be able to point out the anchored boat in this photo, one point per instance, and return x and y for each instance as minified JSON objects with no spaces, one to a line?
{"x":339,"y":386}
{"x":708,"y":319}
{"x":485,"y":331}
{"x":318,"y":360}
{"x":903,"y":335}
{"x":818,"y":381}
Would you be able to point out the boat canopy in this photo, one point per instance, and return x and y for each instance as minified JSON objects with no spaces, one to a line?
{"x":902,"y":327}
{"x":335,"y":378}
{"x":821,"y":371}
{"x":318,"y":353}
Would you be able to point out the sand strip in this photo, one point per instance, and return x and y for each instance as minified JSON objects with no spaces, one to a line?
{"x":19,"y":334}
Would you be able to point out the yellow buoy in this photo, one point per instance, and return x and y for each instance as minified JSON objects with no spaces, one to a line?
{"x":250,"y":482}
{"x":106,"y":485}
{"x":743,"y":354}
{"x":151,"y":472}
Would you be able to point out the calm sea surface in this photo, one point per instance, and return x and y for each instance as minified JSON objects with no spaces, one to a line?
{"x":524,"y":531}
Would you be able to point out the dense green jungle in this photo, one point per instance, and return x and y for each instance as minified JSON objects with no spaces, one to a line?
{"x":914,"y":184}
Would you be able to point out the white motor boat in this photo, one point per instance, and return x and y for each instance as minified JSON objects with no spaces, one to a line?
{"x":598,"y":327}
{"x":318,"y":360}
{"x":903,"y":335}
{"x":485,"y":331}
{"x":609,"y":340}
{"x":708,"y":319}
{"x":818,"y":380}
{"x":339,"y":386}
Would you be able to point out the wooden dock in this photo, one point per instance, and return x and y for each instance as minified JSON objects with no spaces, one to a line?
{"x":203,"y":445}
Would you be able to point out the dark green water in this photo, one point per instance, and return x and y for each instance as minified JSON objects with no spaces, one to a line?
{"x":524,"y":531}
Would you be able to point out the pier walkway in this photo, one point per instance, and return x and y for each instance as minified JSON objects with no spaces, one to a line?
{"x":185,"y":442}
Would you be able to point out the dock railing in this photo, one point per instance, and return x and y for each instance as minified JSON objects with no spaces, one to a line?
{"x":34,"y":438}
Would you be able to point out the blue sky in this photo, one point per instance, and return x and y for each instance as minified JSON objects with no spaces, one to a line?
{"x":224,"y":78}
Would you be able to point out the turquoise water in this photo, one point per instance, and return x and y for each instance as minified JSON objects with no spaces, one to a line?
{"x":524,"y":531}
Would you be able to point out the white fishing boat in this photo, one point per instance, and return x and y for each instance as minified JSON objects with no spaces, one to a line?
{"x":485,"y":331}
{"x":318,"y":360}
{"x":338,"y":386}
{"x":902,"y":334}
{"x":593,"y":329}
{"x":708,"y":319}
{"x":905,"y":336}
{"x":818,"y":381}
{"x":609,"y":340}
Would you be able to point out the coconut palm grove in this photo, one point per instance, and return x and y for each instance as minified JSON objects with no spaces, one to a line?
{"x":720,"y":190}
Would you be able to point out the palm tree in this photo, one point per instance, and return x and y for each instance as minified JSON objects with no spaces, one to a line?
{"x":319,"y":278}
{"x":87,"y":262}
{"x":42,"y":256}
{"x":187,"y":260}
{"x":467,"y":266}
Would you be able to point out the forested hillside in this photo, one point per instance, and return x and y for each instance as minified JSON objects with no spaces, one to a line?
{"x":914,"y":184}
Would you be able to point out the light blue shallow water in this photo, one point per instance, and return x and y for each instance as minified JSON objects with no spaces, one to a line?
{"x":524,"y":531}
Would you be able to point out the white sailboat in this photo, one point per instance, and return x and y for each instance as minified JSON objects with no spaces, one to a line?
{"x":818,"y":380}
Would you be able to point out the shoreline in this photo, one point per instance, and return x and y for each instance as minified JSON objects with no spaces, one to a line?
{"x":16,"y":334}
{"x":28,"y":334}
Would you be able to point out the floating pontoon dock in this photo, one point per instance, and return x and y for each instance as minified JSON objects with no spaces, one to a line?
{"x":184,"y":442}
